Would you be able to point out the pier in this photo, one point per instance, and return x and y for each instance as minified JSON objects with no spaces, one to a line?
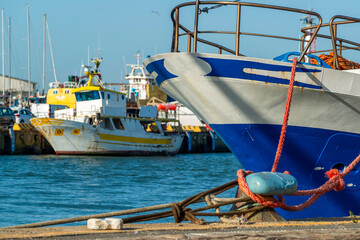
{"x":201,"y":140}
{"x":23,"y":139}
{"x":342,"y":228}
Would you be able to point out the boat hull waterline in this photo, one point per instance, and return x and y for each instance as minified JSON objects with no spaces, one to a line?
{"x":71,"y":137}
{"x":243,"y":100}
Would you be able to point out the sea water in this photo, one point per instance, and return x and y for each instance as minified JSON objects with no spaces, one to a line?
{"x":36,"y":188}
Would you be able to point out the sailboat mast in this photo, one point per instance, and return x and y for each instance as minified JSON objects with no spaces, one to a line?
{"x":9,"y":56}
{"x":51,"y":52}
{"x":3,"y":51}
{"x":28,"y":34}
{"x":43,"y":86}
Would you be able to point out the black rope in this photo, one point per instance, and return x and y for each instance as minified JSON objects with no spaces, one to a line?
{"x":206,"y":9}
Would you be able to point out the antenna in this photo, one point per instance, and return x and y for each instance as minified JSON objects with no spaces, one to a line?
{"x":125,"y":65}
{"x":81,"y":67}
{"x":138,"y":58}
{"x":98,"y":48}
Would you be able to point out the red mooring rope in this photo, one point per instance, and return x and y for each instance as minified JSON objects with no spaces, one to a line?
{"x":286,"y":117}
{"x":335,"y":181}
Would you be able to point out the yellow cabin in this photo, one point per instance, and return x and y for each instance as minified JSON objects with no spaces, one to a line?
{"x":61,"y":96}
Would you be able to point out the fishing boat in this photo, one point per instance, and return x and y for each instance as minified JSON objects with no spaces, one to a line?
{"x":99,"y":123}
{"x":242,"y":98}
{"x":141,"y":90}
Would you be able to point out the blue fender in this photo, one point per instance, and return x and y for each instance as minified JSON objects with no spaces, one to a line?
{"x":271,"y":183}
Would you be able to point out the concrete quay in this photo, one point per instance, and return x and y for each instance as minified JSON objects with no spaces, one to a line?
{"x":23,"y":139}
{"x":342,"y":228}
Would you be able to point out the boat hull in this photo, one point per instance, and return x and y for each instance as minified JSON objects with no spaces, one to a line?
{"x":243,"y":100}
{"x":76,"y":138}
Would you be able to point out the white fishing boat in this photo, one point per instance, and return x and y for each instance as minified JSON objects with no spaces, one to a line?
{"x":243,"y":98}
{"x":141,"y":89}
{"x":98,"y":124}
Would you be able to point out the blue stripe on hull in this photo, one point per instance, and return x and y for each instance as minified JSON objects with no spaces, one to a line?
{"x":308,"y":153}
{"x":231,"y":68}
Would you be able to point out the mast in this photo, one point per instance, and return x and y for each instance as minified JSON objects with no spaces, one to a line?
{"x":52,"y":55}
{"x":3,"y":51}
{"x":44,"y":40}
{"x":138,"y":58}
{"x":28,"y":34}
{"x":9,"y":56}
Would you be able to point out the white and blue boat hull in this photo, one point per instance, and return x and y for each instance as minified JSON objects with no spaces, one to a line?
{"x":243,"y":100}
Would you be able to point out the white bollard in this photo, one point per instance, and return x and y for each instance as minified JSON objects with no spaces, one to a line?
{"x":115,"y":223}
{"x":96,"y":224}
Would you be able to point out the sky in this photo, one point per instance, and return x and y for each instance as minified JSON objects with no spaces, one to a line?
{"x":114,"y":30}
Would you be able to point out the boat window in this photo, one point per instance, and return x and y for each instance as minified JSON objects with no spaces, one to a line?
{"x":106,"y":124}
{"x":108,"y":96}
{"x":96,"y":95}
{"x":87,"y":96}
{"x":102,"y":95}
{"x":118,"y":124}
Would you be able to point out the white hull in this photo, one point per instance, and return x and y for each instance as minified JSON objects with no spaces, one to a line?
{"x":71,"y":137}
{"x":227,"y":100}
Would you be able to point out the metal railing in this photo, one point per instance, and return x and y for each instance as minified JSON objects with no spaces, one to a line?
{"x":338,"y":44}
{"x":194,"y":39}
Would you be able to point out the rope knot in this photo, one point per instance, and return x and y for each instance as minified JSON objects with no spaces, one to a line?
{"x":335,"y":175}
{"x":181,"y":214}
{"x":178,"y":213}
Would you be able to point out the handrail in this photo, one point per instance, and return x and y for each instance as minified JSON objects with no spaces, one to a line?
{"x":175,"y":16}
{"x":334,"y":39}
{"x":333,"y":35}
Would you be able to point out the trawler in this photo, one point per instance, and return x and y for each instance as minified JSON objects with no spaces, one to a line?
{"x":242,"y":96}
{"x":96,"y":122}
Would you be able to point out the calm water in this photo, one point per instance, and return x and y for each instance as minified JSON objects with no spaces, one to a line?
{"x":35,"y":188}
